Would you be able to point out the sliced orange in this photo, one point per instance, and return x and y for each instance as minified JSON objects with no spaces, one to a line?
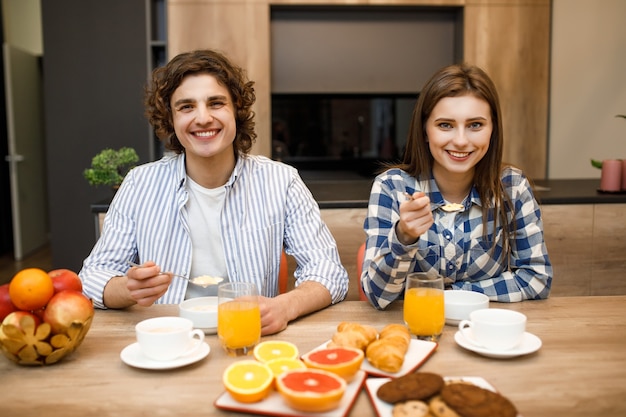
{"x":280,"y":365}
{"x":342,"y":361}
{"x":273,"y":349}
{"x":248,"y":381}
{"x":311,"y":390}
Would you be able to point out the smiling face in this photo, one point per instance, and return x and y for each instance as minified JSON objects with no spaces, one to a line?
{"x":458,"y":131}
{"x":204,"y":121}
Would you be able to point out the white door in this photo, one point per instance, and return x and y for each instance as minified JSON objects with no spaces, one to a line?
{"x":27,"y":156}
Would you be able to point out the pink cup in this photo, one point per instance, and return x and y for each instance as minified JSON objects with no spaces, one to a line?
{"x":623,"y":174}
{"x":612,"y":172}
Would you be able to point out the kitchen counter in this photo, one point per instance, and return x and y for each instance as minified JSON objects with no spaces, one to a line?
{"x":352,"y":191}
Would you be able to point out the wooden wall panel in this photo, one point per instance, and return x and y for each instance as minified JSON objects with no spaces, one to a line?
{"x":511,"y":42}
{"x":240,"y":29}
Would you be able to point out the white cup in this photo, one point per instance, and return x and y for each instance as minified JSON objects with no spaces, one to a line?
{"x":459,"y":304}
{"x":494,"y":328}
{"x":168,"y":338}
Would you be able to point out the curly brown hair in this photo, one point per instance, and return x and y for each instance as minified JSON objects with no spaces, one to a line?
{"x":166,"y":79}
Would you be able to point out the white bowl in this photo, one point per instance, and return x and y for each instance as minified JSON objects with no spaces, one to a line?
{"x":202,"y":311}
{"x":459,"y":304}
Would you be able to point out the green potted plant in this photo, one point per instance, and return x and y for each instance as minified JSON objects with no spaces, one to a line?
{"x":110,"y":166}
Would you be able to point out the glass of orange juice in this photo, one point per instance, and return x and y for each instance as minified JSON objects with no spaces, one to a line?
{"x":423,"y":305}
{"x":238,"y":317}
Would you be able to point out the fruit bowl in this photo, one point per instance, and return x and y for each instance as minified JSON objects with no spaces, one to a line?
{"x":32,"y":344}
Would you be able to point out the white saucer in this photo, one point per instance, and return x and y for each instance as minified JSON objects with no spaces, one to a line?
{"x":131,"y":355}
{"x":530,"y":343}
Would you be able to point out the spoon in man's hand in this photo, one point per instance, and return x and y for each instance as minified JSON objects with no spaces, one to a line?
{"x":202,"y":280}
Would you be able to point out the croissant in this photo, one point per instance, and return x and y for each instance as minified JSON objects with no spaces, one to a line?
{"x":387,"y":353}
{"x":353,"y":335}
{"x":398,"y":333}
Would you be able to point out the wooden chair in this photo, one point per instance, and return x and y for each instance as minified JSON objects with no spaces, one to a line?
{"x":283,"y":274}
{"x":360,"y":255}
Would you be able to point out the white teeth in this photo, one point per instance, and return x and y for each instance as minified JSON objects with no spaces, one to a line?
{"x":458,"y":154}
{"x":206,"y":134}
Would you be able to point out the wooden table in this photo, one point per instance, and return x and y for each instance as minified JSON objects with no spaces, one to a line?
{"x":579,"y":371}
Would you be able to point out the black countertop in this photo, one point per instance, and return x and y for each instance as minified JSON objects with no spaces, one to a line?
{"x":352,"y":191}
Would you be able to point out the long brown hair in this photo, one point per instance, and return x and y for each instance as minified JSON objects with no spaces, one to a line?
{"x":166,"y":79}
{"x":454,"y":81}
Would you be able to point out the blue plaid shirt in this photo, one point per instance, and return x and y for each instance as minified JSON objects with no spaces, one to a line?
{"x":454,"y":246}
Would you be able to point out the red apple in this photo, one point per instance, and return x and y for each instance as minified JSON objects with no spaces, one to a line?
{"x":65,"y":308}
{"x":39,"y":312}
{"x":6,"y":306}
{"x":15,"y":318}
{"x":64,"y":279}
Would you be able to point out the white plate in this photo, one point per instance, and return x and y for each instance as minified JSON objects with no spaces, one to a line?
{"x":132,"y":355}
{"x":274,"y":405}
{"x":530,"y":343}
{"x":419,"y":351}
{"x":384,"y":409}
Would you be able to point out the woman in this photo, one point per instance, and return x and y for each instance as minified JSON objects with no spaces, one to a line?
{"x":210,"y":208}
{"x":452,"y":206}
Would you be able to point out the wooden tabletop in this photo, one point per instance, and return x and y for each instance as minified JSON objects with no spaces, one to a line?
{"x":580,"y":369}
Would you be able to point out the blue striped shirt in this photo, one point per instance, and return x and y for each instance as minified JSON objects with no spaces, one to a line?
{"x":267,"y":207}
{"x":459,"y":251}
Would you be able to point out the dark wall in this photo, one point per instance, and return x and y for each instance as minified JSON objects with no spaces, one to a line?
{"x":95,"y":69}
{"x":6,"y":228}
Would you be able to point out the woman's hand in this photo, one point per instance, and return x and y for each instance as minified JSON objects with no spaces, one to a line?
{"x":415,"y":218}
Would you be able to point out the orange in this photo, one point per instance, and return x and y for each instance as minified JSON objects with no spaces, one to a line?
{"x":248,"y":381}
{"x":273,"y":349}
{"x":31,"y":289}
{"x":311,"y":390}
{"x":342,"y":361}
{"x":280,"y":365}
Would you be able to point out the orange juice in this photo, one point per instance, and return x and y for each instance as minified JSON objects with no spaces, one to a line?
{"x":423,"y":312}
{"x":239,"y":324}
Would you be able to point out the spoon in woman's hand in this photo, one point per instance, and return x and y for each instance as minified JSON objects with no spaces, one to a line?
{"x":202,"y":280}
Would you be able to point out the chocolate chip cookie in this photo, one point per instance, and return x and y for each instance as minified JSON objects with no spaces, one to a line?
{"x":473,"y":401}
{"x":410,"y":409}
{"x":415,"y":386}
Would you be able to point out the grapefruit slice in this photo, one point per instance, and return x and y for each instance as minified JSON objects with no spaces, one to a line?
{"x":311,"y":390}
{"x":342,"y":361}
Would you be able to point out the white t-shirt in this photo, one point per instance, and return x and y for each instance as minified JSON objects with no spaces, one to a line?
{"x":204,"y":208}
